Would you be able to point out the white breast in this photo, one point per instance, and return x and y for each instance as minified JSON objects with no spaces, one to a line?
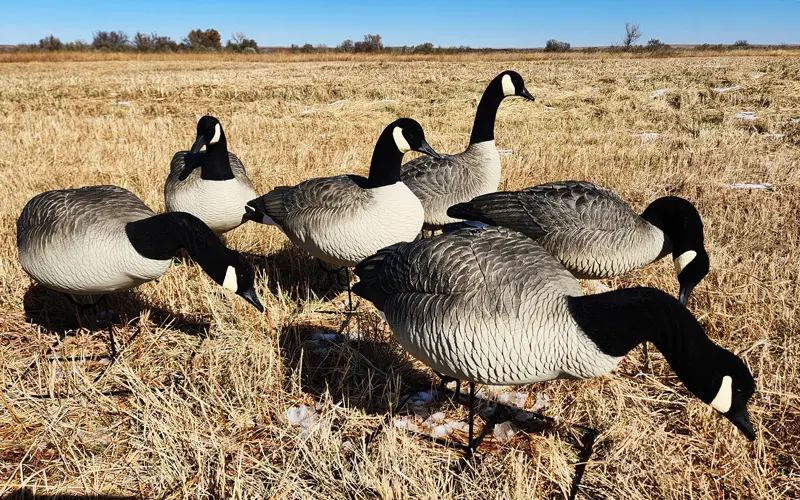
{"x":220,"y":204}
{"x":393,"y":215}
{"x":99,"y":262}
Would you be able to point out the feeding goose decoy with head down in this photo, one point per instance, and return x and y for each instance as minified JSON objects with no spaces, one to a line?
{"x":442,"y":182}
{"x":344,"y":219}
{"x":492,"y":306}
{"x":97,"y":240}
{"x":594,"y":233}
{"x":212,"y":185}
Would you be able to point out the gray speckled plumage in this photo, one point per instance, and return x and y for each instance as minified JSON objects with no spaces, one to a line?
{"x":591,"y":230}
{"x":74,"y":241}
{"x":439,"y":184}
{"x":486,"y":305}
{"x":218,"y":203}
{"x":340,"y":220}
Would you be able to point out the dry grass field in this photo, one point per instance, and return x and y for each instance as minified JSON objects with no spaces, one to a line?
{"x":195,"y":406}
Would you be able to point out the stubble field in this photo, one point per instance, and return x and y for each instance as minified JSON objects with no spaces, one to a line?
{"x":195,"y":405}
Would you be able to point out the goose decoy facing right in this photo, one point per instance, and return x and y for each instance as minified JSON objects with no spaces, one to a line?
{"x":492,"y":306}
{"x":212,"y":185}
{"x":344,"y":219}
{"x":442,"y":182}
{"x":97,"y":240}
{"x":594,"y":233}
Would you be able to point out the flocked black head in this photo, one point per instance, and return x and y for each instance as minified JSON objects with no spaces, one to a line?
{"x":399,"y":137}
{"x":209,"y":133}
{"x":234,"y":272}
{"x":681,"y":223}
{"x":506,"y":84}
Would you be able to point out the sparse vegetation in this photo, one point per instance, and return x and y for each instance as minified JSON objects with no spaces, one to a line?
{"x":240,"y":43}
{"x":632,"y":34}
{"x":112,"y":41}
{"x":198,"y":39}
{"x":196,"y":405}
{"x":553,"y":45}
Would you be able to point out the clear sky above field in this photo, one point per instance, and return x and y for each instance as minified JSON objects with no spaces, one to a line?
{"x":510,"y":23}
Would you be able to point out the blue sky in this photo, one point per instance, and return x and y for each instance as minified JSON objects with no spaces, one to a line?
{"x":487,"y":23}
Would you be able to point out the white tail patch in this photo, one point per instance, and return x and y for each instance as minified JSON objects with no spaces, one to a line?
{"x":230,"y":279}
{"x":400,"y":140}
{"x":217,"y":134}
{"x":508,"y":86}
{"x":683,"y":260}
{"x":722,"y":402}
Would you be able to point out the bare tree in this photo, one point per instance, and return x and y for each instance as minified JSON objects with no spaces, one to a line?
{"x":632,"y":33}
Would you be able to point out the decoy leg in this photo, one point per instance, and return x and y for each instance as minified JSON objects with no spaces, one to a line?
{"x":646,"y":356}
{"x":444,"y":380}
{"x":470,"y":448}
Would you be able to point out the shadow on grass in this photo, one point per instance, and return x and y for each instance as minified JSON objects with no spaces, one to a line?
{"x":26,"y":494}
{"x":53,"y":312}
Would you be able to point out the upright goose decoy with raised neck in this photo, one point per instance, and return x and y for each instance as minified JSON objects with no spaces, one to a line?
{"x":212,"y":185}
{"x":492,"y":306}
{"x":442,"y":182}
{"x":594,"y":233}
{"x":97,"y":240}
{"x":344,"y":219}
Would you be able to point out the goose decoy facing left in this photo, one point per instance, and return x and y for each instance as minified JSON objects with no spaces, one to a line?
{"x":492,"y":306}
{"x":97,"y":240}
{"x":212,"y":185}
{"x":344,"y":219}
{"x":594,"y":233}
{"x":442,"y":182}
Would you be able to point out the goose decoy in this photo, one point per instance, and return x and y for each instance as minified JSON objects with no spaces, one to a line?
{"x":344,"y":219}
{"x":97,"y":240}
{"x":594,"y":233}
{"x":213,"y":186}
{"x":492,"y":306}
{"x":442,"y":182}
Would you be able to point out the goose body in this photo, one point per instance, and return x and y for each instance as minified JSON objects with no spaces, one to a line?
{"x":492,"y":306}
{"x":442,"y":182}
{"x":344,"y":219}
{"x":211,"y":185}
{"x":593,"y":232}
{"x":97,"y":240}
{"x":74,"y":241}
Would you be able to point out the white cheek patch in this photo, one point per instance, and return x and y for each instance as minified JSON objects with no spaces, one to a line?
{"x":722,"y":402}
{"x":683,"y":260}
{"x":230,"y":280}
{"x":402,"y":143}
{"x":217,"y":134}
{"x":508,"y":86}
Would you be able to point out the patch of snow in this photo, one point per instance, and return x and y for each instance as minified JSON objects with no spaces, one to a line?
{"x":348,"y":446}
{"x":406,"y":423}
{"x":794,"y":120}
{"x":598,"y":286}
{"x":337,"y":101}
{"x":746,"y":115}
{"x":159,"y":98}
{"x":756,"y":76}
{"x":121,"y":139}
{"x":114,"y":94}
{"x":123,"y":103}
{"x":722,"y":90}
{"x":304,"y":417}
{"x":549,"y":108}
{"x":743,"y":185}
{"x":542,"y":401}
{"x":513,"y":398}
{"x":386,"y":100}
{"x":505,"y":152}
{"x":420,"y":399}
{"x":308,"y":111}
{"x":658,"y":93}
{"x":777,"y":136}
{"x":648,"y":136}
{"x":504,"y":432}
{"x":323,"y":337}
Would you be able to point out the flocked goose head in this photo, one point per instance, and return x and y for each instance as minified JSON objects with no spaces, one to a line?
{"x":512,"y":84}
{"x":681,"y":223}
{"x":408,"y":136}
{"x":209,"y":133}
{"x":234,"y":272}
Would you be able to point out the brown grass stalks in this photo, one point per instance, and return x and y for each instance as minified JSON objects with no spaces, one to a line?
{"x":204,"y":382}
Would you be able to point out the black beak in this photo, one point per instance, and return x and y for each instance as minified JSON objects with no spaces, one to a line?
{"x":428,"y":150}
{"x":742,"y":422}
{"x":198,"y":144}
{"x":527,"y":95}
{"x":684,"y":293}
{"x":251,"y":296}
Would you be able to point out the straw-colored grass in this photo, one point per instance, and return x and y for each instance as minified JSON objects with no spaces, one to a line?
{"x":195,"y":406}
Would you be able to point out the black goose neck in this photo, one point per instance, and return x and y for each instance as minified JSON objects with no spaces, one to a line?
{"x":483,"y":127}
{"x":159,"y":237}
{"x":384,"y":170}
{"x":216,"y":162}
{"x":620,"y":320}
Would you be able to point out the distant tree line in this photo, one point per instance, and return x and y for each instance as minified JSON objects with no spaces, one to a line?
{"x":210,"y":40}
